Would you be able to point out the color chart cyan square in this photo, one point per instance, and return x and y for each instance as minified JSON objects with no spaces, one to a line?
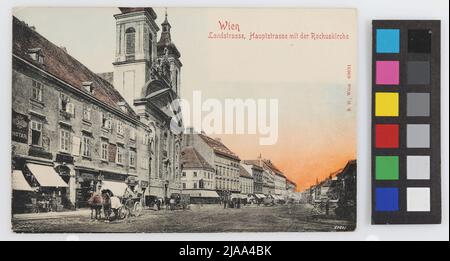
{"x":406,"y":156}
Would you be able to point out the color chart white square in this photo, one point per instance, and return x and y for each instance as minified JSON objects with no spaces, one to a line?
{"x":418,"y":167}
{"x":418,"y":200}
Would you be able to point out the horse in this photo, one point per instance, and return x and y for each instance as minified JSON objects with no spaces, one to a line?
{"x":96,"y":203}
{"x":106,"y":204}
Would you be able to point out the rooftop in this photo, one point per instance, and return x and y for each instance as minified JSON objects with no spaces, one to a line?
{"x":219,"y":147}
{"x":63,"y":66}
{"x":243,"y":172}
{"x":191,"y":159}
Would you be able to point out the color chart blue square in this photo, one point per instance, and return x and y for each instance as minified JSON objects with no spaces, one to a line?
{"x":386,"y":199}
{"x":388,"y":40}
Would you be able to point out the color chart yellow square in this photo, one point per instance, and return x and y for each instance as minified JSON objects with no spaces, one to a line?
{"x":386,"y":104}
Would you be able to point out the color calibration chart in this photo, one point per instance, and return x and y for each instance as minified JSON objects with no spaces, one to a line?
{"x":406,"y":156}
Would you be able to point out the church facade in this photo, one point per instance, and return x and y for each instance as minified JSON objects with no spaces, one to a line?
{"x":74,"y":131}
{"x":147,"y":74}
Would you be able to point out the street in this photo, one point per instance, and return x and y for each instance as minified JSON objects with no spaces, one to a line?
{"x":207,"y":218}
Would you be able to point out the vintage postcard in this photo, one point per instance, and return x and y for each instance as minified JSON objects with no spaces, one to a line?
{"x":152,"y":119}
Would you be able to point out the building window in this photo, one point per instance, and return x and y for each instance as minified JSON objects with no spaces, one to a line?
{"x":183,"y":174}
{"x":195,"y":174}
{"x":87,"y":113}
{"x":120,"y":128}
{"x":184,"y":185}
{"x":36,"y":133}
{"x":106,"y":122}
{"x":36,"y":55}
{"x":64,"y":141}
{"x":119,"y":158}
{"x":70,"y":109}
{"x":104,"y":151}
{"x":37,"y":91}
{"x":66,"y":106}
{"x":86,"y":147}
{"x":146,"y":139}
{"x":132,"y":135}
{"x":150,"y":46}
{"x":195,"y":185}
{"x":132,"y":158}
{"x":130,"y":35}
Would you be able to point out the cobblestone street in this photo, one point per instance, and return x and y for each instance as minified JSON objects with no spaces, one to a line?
{"x":282,"y":218}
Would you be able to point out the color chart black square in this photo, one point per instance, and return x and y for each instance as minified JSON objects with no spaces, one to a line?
{"x":406,"y":187}
{"x":419,"y":41}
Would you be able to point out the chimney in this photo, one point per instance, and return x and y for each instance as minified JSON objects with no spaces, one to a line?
{"x":63,"y":48}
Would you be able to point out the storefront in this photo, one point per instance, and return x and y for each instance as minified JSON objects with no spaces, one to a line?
{"x":202,"y":196}
{"x":279,"y":199}
{"x":50,"y":187}
{"x":159,"y":190}
{"x":21,"y":193}
{"x":86,"y":181}
{"x":89,"y":180}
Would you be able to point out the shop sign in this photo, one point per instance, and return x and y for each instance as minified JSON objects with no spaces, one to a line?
{"x":19,"y":129}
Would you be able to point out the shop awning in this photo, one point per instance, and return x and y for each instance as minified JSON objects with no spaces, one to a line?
{"x":19,"y":182}
{"x":243,"y":196}
{"x":278,"y":197}
{"x":117,"y":188}
{"x":201,"y":193}
{"x":260,"y":196}
{"x":46,"y":176}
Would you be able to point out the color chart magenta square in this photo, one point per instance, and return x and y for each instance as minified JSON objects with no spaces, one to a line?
{"x":387,"y":72}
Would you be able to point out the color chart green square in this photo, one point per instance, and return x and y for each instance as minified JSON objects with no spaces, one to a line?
{"x":386,"y":167}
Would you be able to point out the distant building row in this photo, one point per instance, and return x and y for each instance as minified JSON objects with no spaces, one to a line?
{"x":211,"y":171}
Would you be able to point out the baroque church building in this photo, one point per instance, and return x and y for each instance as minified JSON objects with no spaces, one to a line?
{"x":75,"y":131}
{"x":147,"y":75}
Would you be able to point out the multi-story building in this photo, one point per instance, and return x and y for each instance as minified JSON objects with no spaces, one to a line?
{"x":257,"y":174}
{"x":147,"y":74}
{"x":246,"y":181}
{"x":225,"y":162}
{"x":73,"y":131}
{"x":279,"y":179}
{"x":274,"y":181}
{"x":291,"y":186}
{"x":197,"y":177}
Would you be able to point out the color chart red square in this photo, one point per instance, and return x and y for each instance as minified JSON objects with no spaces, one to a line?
{"x":386,"y":135}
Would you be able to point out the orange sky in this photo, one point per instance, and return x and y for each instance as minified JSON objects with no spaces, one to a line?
{"x":304,"y":152}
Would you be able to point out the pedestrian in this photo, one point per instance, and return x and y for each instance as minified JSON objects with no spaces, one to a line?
{"x":95,"y":202}
{"x":166,"y":203}
{"x":158,"y":203}
{"x":172,"y":203}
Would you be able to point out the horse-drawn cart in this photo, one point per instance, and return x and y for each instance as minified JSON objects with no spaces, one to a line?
{"x":124,"y":202}
{"x":131,"y":206}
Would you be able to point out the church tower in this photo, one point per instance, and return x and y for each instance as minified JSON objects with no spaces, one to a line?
{"x":136,"y":49}
{"x":166,"y":50}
